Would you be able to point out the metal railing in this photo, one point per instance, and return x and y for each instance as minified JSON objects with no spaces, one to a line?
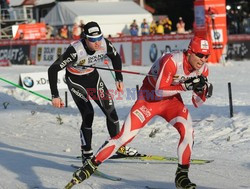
{"x":12,"y":16}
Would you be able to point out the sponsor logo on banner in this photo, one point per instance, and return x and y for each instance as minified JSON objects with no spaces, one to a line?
{"x":39,"y":81}
{"x":153,"y":52}
{"x":155,"y":49}
{"x":28,"y":82}
{"x":16,"y":54}
{"x":217,"y":38}
{"x":48,"y":53}
{"x":238,"y":50}
{"x":217,"y":35}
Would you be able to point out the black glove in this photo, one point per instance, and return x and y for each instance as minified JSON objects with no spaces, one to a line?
{"x":196,"y":83}
{"x":199,"y":87}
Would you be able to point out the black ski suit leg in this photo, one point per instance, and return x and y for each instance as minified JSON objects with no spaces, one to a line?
{"x":80,"y":96}
{"x":106,"y":103}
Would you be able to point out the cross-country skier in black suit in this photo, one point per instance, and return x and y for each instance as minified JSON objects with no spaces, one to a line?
{"x":84,"y":82}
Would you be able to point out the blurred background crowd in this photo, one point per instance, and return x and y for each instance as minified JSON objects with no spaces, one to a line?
{"x":169,"y":17}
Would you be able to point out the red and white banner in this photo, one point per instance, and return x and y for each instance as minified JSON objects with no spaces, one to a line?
{"x":29,"y":31}
{"x":5,"y":62}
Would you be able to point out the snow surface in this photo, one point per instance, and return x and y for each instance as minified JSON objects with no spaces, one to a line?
{"x":36,"y":151}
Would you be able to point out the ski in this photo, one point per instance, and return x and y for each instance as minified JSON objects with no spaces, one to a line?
{"x":101,"y":174}
{"x":163,"y":159}
{"x":145,"y":157}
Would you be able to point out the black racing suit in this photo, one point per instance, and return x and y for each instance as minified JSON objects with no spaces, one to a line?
{"x":86,"y":82}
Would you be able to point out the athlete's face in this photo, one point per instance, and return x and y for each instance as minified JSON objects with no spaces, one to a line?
{"x":94,"y":44}
{"x":197,"y":60}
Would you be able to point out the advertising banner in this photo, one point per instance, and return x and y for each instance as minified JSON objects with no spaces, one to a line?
{"x":210,"y":22}
{"x":16,"y":54}
{"x":152,"y":50}
{"x":238,"y":50}
{"x":29,"y":31}
{"x":124,"y":49}
{"x":39,"y":81}
{"x":5,"y":62}
{"x":46,"y":54}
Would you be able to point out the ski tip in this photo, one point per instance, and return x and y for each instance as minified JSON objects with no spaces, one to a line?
{"x":70,"y":184}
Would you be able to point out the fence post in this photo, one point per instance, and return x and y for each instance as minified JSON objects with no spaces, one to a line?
{"x":230,"y":99}
{"x":137,"y":91}
{"x":66,"y":99}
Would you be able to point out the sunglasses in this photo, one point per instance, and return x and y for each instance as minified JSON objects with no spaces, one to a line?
{"x":200,"y":55}
{"x":94,"y":39}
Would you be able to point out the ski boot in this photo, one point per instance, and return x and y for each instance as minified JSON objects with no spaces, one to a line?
{"x":127,"y":151}
{"x":85,"y":171}
{"x":86,"y":155}
{"x":181,"y":178}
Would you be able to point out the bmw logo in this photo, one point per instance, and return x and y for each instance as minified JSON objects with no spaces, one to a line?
{"x":28,"y":82}
{"x":216,"y":35}
{"x":153,"y":52}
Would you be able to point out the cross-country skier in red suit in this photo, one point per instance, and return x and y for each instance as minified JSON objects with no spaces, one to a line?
{"x":160,"y":95}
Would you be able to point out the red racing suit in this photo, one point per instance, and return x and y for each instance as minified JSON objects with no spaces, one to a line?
{"x":160,"y":95}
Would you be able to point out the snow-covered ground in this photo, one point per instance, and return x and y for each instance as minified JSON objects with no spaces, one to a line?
{"x":36,"y":151}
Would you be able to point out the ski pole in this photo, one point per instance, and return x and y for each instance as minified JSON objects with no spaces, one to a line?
{"x":20,"y":87}
{"x":123,"y":71}
{"x":107,"y":63}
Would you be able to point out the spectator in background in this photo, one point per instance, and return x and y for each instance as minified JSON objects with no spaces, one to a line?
{"x":49,"y":31}
{"x":160,"y":28}
{"x":57,"y":33}
{"x":232,"y":22}
{"x":144,"y":27}
{"x":21,"y":36}
{"x":76,"y":31}
{"x":81,"y":25}
{"x":134,"y":28}
{"x":64,"y":32}
{"x":167,"y":25}
{"x":4,"y":5}
{"x":180,"y":26}
{"x":153,"y":28}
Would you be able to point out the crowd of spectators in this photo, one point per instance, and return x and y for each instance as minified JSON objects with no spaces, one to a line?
{"x":65,"y":32}
{"x":161,"y":26}
{"x":238,"y":23}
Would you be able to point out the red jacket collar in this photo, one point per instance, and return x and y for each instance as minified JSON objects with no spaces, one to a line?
{"x":186,"y":65}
